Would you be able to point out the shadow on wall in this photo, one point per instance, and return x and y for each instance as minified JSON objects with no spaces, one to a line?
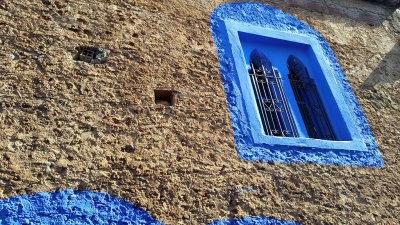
{"x":372,"y":12}
{"x":387,"y":71}
{"x":388,"y":2}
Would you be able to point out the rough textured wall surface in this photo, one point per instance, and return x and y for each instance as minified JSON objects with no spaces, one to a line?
{"x":67,"y":124}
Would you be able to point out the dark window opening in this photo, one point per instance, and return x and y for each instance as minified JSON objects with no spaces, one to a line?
{"x":165,"y":97}
{"x":270,"y":98}
{"x":309,"y":102}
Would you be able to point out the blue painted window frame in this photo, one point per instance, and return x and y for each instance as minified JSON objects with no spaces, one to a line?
{"x":257,"y":19}
{"x":257,"y":133}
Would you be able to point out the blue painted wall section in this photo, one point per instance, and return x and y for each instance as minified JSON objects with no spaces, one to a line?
{"x":71,"y":207}
{"x":238,"y":28}
{"x":74,"y":207}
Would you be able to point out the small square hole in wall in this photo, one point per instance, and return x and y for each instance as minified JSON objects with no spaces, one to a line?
{"x":91,"y":54}
{"x":165,"y":97}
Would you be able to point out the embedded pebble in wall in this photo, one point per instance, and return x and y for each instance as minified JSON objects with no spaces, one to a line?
{"x":396,"y":20}
{"x":13,"y":56}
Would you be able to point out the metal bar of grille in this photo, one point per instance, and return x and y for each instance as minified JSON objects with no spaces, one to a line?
{"x":264,"y":116}
{"x":285,"y":105}
{"x":271,"y":102}
{"x":265,"y":101}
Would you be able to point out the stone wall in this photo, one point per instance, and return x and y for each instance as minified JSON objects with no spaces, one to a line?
{"x":67,"y":124}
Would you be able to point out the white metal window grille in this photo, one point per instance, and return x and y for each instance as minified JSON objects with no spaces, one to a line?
{"x":270,"y":98}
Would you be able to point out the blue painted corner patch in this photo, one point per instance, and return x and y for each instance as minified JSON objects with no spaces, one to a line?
{"x":241,"y":28}
{"x":71,"y":207}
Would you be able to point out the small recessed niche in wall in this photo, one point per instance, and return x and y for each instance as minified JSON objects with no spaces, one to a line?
{"x":91,"y":54}
{"x":288,"y":97}
{"x":165,"y":97}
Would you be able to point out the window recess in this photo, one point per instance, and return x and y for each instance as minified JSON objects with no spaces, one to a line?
{"x":309,"y":102}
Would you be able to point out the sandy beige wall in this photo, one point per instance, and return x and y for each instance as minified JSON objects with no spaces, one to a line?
{"x":68,"y":124}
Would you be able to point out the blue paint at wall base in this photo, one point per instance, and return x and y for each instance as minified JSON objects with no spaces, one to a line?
{"x":75,"y":207}
{"x":71,"y":207}
{"x":237,"y":28}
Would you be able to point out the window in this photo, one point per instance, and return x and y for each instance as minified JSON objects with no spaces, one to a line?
{"x":288,"y":98}
{"x":272,"y":104}
{"x":270,"y":97}
{"x":309,"y":102}
{"x":308,"y":99}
